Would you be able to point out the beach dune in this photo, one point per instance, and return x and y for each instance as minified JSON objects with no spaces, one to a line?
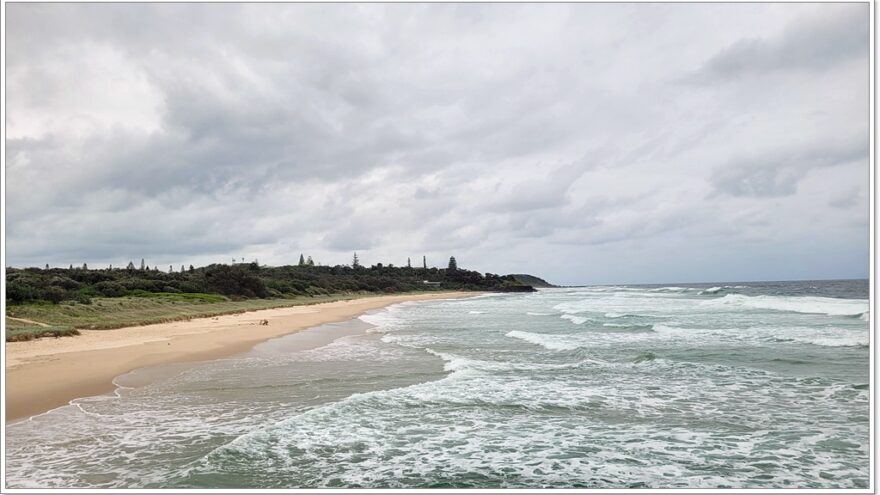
{"x":47,"y":373}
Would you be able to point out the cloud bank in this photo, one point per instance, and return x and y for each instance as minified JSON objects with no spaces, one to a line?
{"x":588,"y":143}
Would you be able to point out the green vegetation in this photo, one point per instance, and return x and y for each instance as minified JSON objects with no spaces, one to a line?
{"x":62,"y":300}
{"x":17,"y":330}
{"x":532,"y":280}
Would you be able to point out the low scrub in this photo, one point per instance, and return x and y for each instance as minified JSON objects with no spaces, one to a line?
{"x":20,"y":334}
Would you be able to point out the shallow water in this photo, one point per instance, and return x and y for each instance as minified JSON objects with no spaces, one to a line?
{"x":747,"y":385}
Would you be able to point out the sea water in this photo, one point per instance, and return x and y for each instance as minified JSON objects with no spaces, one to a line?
{"x":751,"y":385}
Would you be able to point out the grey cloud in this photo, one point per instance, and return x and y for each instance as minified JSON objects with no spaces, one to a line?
{"x":831,"y":36}
{"x":847,"y":199}
{"x":535,"y":193}
{"x":772,"y":173}
{"x":506,"y":133}
{"x":350,"y":237}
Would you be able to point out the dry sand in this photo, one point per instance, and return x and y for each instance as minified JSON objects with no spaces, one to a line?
{"x":47,"y":373}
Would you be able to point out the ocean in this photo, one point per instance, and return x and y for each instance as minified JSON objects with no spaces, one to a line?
{"x":746,"y":385}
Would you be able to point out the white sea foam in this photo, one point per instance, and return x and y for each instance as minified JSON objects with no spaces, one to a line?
{"x":615,"y":315}
{"x":850,"y":341}
{"x":826,"y":337}
{"x":349,"y":348}
{"x":821,"y":336}
{"x":797,"y":304}
{"x":671,"y":289}
{"x":667,"y":407}
{"x":639,"y":304}
{"x":484,"y":439}
{"x":577,"y":320}
{"x":551,"y":342}
{"x":452,"y":362}
{"x":381,"y":319}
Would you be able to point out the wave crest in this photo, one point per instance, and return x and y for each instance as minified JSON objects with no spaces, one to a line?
{"x":551,"y":342}
{"x":796,"y":304}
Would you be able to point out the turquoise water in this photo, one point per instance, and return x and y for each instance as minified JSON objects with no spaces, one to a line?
{"x":746,"y":385}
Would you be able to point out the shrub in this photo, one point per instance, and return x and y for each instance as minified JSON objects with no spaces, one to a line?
{"x":110,"y":289}
{"x":64,"y":282}
{"x":233,"y":281}
{"x":18,"y":291}
{"x":54,"y":294}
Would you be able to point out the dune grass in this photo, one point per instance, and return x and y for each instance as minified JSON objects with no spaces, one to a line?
{"x":17,"y":331}
{"x":139,"y":309}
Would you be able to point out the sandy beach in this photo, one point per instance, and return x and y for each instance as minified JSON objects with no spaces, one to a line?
{"x":48,"y":373}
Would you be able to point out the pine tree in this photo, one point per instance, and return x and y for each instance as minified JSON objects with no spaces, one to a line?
{"x":143,"y":266}
{"x":408,"y":264}
{"x":111,"y":267}
{"x":47,"y":266}
{"x":302,"y":260}
{"x":130,"y":266}
{"x":453,"y":266}
{"x":310,"y":262}
{"x":70,"y":267}
{"x":191,"y":269}
{"x":424,"y":262}
{"x":85,"y":266}
{"x":355,"y":262}
{"x":170,"y":269}
{"x":181,"y":269}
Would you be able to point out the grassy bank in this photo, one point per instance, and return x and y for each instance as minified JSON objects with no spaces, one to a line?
{"x":17,"y":331}
{"x":45,"y":319}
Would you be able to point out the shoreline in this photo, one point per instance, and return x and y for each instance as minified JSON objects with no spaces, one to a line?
{"x":45,"y":374}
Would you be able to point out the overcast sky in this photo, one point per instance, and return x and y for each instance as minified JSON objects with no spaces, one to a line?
{"x":586,"y":143}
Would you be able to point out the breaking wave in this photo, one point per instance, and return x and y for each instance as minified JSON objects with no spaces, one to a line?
{"x":796,"y":304}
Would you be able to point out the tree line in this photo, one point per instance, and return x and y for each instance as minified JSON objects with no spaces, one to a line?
{"x":244,"y":280}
